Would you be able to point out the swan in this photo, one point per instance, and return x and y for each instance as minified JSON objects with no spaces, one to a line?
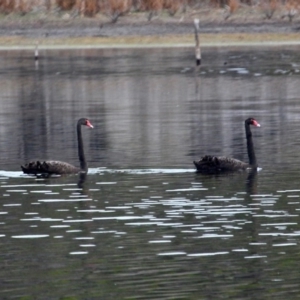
{"x":49,"y":167}
{"x":217,"y":164}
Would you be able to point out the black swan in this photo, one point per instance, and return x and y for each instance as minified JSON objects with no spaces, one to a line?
{"x":49,"y":167}
{"x":216,"y":164}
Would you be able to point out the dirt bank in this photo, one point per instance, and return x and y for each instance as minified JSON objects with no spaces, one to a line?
{"x":134,"y":29}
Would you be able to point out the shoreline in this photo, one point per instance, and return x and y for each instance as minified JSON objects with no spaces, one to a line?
{"x":206,"y":40}
{"x":134,"y":32}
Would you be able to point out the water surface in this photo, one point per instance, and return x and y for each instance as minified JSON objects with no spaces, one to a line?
{"x":143,"y":224}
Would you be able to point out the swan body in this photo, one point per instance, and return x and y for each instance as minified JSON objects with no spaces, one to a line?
{"x":217,"y":164}
{"x":49,"y":167}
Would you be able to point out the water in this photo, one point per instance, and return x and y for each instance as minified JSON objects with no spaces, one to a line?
{"x":143,"y":224}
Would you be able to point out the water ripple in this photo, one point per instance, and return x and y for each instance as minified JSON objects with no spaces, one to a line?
{"x":30,"y":236}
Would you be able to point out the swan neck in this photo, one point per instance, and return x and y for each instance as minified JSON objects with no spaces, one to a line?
{"x":81,"y":156}
{"x":250,"y":146}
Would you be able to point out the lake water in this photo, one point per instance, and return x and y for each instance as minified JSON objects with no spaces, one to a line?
{"x":143,"y":224}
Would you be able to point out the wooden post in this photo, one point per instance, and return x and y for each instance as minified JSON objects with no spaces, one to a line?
{"x":197,"y":40}
{"x":36,"y":51}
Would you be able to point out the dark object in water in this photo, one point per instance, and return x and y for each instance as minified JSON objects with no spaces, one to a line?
{"x":49,"y":167}
{"x":217,"y":164}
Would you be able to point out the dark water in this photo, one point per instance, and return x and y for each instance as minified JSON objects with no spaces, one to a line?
{"x":143,"y":225}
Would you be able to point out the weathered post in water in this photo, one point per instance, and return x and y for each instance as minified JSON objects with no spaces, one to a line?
{"x":197,"y":40}
{"x":36,"y":51}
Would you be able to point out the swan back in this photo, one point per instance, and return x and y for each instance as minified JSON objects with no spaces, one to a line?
{"x":216,"y":164}
{"x":49,"y":167}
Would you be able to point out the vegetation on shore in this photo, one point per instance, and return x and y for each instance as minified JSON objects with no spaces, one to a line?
{"x":20,"y":14}
{"x":114,"y":9}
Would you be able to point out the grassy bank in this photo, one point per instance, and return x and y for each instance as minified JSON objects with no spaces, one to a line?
{"x":232,"y":39}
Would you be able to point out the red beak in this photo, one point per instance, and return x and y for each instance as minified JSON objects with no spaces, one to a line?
{"x":255,"y":123}
{"x":88,"y":123}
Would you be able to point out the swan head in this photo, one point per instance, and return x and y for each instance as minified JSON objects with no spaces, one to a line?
{"x":85,"y":122}
{"x":252,"y":121}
